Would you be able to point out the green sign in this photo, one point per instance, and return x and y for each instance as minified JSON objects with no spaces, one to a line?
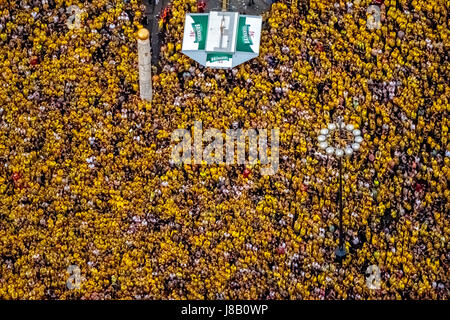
{"x":200,"y":24}
{"x":244,"y":40}
{"x":215,"y":57}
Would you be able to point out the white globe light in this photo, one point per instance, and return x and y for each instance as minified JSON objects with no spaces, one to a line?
{"x":358,"y":139}
{"x":332,"y":126}
{"x":350,"y":127}
{"x":356,"y":132}
{"x":323,"y":145}
{"x":321,"y":138}
{"x":339,"y":152}
{"x":348,"y":151}
{"x":355,"y":146}
{"x":330,"y":150}
{"x":324,"y":131}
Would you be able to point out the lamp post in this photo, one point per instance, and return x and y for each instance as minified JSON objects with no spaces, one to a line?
{"x":145,"y":67}
{"x":335,"y":140}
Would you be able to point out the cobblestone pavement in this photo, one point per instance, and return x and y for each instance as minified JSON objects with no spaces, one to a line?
{"x":155,"y":7}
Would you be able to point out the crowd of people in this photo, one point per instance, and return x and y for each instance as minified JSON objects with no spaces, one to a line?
{"x":86,"y":177}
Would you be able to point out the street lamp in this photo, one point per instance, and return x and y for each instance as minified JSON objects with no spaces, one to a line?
{"x":341,"y":140}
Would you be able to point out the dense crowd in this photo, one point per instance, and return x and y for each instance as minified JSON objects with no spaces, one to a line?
{"x":86,"y":177}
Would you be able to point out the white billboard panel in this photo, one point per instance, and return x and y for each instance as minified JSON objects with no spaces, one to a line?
{"x":221,"y":39}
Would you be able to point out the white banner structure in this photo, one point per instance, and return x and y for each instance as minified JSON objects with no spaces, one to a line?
{"x":221,"y":39}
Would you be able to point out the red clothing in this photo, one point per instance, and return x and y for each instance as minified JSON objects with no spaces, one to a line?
{"x":418,"y":187}
{"x":34,"y":60}
{"x":165,"y":15}
{"x":201,"y":6}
